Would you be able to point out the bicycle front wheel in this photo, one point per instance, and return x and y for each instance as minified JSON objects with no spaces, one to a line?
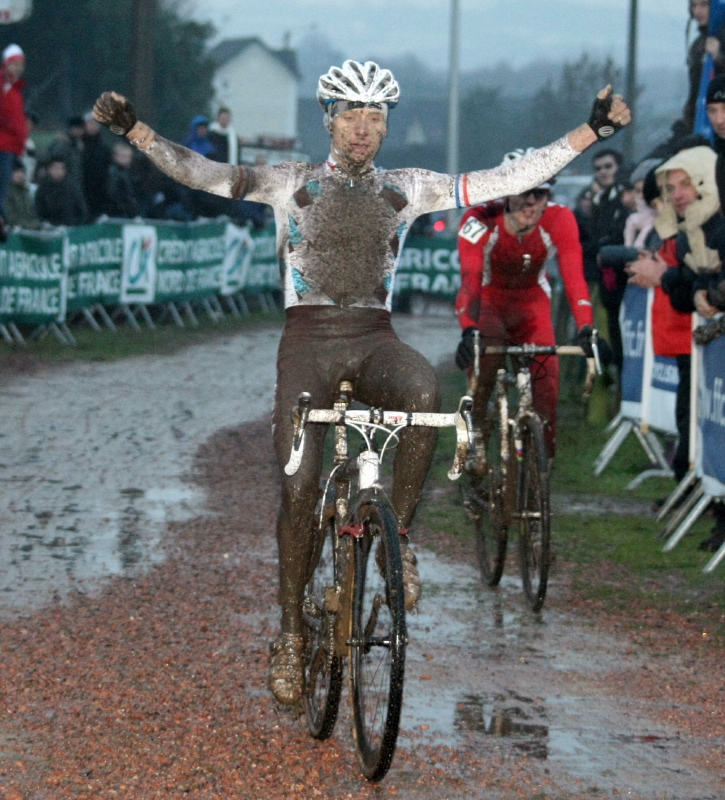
{"x":323,"y":669}
{"x":483,"y":496}
{"x":377,"y":646}
{"x":534,"y":513}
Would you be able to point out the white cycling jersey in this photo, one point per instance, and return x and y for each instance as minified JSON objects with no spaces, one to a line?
{"x":339,"y":235}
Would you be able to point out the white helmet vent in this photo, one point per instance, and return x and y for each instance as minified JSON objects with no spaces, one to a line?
{"x":358,"y":83}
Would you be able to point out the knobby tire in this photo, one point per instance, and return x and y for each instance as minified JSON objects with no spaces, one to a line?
{"x":534,"y":513}
{"x":484,"y":499}
{"x":377,"y":651}
{"x":323,"y":669}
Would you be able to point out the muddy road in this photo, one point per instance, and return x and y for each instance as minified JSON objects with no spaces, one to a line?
{"x":137,"y":568}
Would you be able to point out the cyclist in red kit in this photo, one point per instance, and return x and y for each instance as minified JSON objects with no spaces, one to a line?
{"x":504,"y":247}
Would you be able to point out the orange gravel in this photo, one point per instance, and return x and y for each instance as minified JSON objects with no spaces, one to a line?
{"x":154,"y":686}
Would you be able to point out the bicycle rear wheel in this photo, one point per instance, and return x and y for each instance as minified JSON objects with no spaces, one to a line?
{"x":484,"y":498}
{"x":323,"y":669}
{"x":534,"y":513}
{"x":377,"y":651}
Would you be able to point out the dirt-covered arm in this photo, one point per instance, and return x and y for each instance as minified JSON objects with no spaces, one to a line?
{"x":189,"y":168}
{"x":183,"y":165}
{"x":437,"y":192}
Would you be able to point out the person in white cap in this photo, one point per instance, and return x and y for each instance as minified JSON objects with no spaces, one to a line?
{"x":13,"y":124}
{"x":340,"y":228}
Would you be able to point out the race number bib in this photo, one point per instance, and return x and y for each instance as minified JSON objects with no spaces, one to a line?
{"x":473,"y":230}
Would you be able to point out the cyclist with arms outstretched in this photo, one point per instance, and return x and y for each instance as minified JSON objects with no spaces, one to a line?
{"x":340,"y":225}
{"x":504,"y":249}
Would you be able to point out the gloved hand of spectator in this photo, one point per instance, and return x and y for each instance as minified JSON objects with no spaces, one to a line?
{"x":465,"y":354}
{"x":584,"y":340}
{"x":115,"y":112}
{"x":609,"y":114}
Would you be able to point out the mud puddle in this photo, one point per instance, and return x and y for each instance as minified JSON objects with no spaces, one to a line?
{"x":481,"y":667}
{"x":94,"y":458}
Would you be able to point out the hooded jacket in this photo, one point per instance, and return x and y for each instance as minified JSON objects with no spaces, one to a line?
{"x":199,"y":144}
{"x":700,"y":234}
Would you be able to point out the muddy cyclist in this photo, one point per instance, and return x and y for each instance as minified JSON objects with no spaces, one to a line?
{"x":340,"y":227}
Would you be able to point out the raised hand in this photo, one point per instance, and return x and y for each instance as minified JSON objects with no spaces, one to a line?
{"x":609,"y":114}
{"x":115,"y":112}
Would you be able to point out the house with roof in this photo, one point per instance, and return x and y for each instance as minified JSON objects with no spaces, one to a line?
{"x":259,"y":85}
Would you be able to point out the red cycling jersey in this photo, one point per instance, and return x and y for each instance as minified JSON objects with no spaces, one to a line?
{"x":491,"y":256}
{"x":505,"y":293}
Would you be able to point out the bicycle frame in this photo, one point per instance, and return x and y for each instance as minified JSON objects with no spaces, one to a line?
{"x":507,"y":486}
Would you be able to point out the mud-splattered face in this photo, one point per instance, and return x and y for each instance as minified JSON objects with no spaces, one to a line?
{"x":357,"y":135}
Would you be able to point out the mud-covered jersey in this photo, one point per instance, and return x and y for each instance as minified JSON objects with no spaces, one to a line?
{"x":490,"y":256}
{"x":339,"y":235}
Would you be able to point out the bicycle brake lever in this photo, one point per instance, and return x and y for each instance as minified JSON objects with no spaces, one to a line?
{"x":299,"y":416}
{"x":464,"y":437}
{"x":595,"y":350}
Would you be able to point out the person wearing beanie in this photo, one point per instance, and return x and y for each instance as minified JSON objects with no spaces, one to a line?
{"x":692,"y":230}
{"x":13,"y":124}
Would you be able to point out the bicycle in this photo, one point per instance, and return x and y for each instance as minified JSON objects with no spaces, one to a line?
{"x":508,"y":480}
{"x":353,"y":608}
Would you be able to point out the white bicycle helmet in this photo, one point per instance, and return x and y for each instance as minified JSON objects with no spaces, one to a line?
{"x":358,"y":83}
{"x":515,"y":155}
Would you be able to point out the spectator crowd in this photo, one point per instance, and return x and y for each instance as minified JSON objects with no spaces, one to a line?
{"x":659,"y":225}
{"x":81,"y":177}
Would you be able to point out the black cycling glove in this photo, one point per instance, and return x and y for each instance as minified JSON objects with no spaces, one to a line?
{"x":599,"y":121}
{"x":465,"y":354}
{"x":117,"y":115}
{"x":584,"y":340}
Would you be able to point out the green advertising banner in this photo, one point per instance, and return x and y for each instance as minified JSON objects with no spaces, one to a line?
{"x":430,"y":266}
{"x":262,"y":273}
{"x":189,"y":261}
{"x":95,"y":260}
{"x":32,"y":279}
{"x":238,"y":253}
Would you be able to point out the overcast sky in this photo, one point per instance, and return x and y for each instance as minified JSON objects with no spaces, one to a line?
{"x":518,"y":31}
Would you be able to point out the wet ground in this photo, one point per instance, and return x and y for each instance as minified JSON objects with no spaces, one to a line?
{"x":93,"y":456}
{"x":488,"y":669}
{"x":114,"y":542}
